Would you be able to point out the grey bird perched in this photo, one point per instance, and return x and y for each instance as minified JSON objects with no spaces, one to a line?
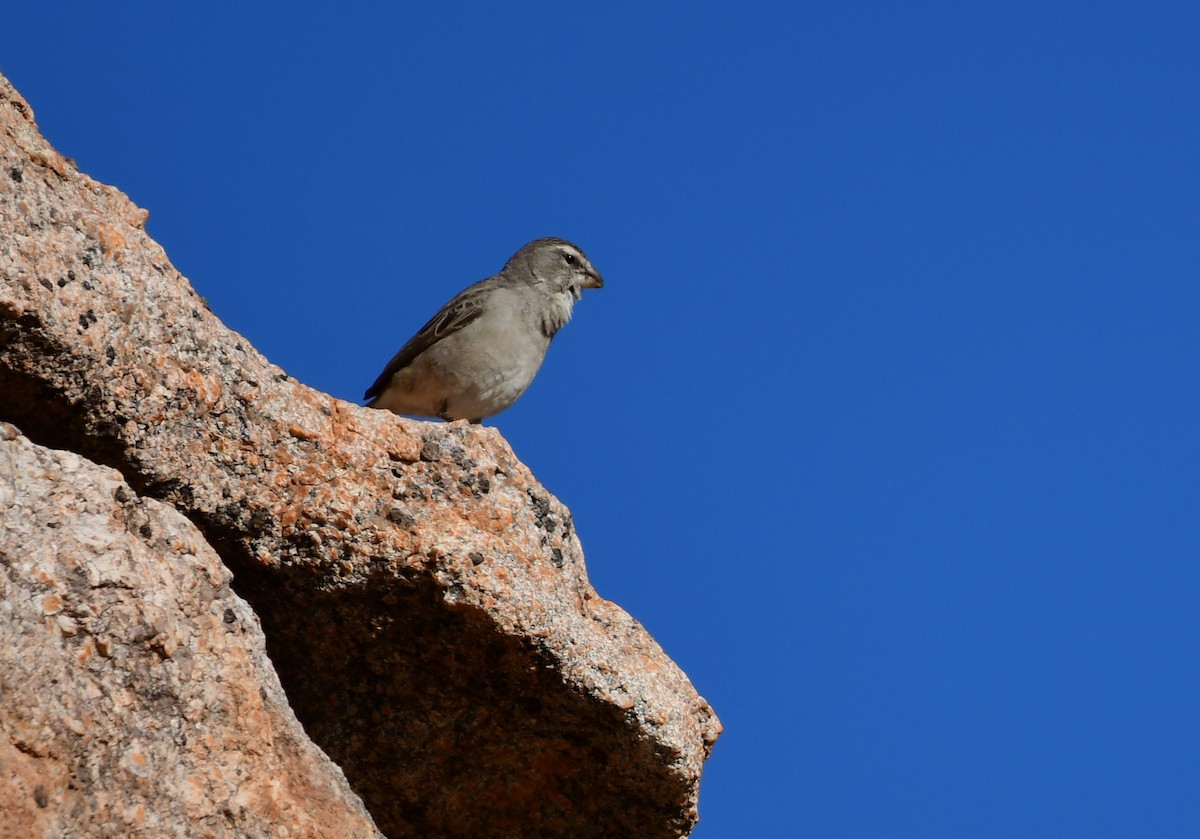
{"x":479,"y":353}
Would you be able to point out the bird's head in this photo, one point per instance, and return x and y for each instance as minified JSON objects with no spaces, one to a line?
{"x":560,"y":264}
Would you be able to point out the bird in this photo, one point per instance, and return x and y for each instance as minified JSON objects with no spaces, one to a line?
{"x":480,"y":352}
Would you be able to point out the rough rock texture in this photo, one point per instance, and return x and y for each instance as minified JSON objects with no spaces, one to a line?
{"x":137,"y":694}
{"x":424,"y":599}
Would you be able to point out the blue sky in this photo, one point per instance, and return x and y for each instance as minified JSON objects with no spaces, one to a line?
{"x":886,"y":422}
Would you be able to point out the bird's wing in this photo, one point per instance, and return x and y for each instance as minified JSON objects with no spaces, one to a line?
{"x":456,"y":314}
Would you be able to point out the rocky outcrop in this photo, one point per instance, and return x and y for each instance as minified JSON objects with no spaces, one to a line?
{"x":423,"y":599}
{"x":137,"y":695}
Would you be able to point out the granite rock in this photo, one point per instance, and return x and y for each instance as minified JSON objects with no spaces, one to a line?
{"x":137,"y":694}
{"x":424,"y":600}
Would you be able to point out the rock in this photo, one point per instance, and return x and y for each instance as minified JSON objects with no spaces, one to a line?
{"x":425,"y":601}
{"x":137,"y":694}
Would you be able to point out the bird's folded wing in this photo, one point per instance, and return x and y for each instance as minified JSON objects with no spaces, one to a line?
{"x":456,"y":314}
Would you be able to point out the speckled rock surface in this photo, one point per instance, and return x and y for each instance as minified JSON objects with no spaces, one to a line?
{"x":424,"y":599}
{"x":137,"y":694}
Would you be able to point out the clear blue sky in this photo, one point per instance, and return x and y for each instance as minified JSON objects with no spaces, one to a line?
{"x":886,"y":424}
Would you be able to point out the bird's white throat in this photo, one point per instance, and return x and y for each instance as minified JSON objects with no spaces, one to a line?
{"x":558,"y":312}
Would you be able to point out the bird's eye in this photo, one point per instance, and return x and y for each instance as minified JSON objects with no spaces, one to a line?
{"x":569,"y":257}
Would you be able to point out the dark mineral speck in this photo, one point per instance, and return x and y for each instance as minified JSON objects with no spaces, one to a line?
{"x":400,"y":517}
{"x":461,"y":460}
{"x":260,"y":520}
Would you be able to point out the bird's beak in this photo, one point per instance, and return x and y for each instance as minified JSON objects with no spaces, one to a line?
{"x":592,"y":278}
